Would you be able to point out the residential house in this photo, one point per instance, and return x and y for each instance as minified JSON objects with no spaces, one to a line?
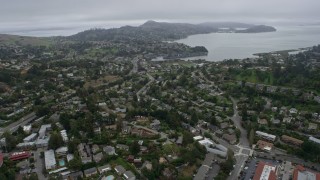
{"x":263,"y":122}
{"x":264,"y":146}
{"x":293,"y":111}
{"x":104,"y":168}
{"x":90,"y":172}
{"x":85,"y":153}
{"x":62,"y":151}
{"x":95,"y":148}
{"x":73,"y":175}
{"x":224,"y":125}
{"x":287,"y":119}
{"x":98,"y":157}
{"x":119,"y":169}
{"x":128,"y":175}
{"x":110,"y":150}
{"x":122,"y":147}
{"x":232,"y":139}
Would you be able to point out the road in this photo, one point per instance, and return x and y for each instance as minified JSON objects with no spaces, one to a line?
{"x":21,"y":122}
{"x":242,"y":151}
{"x":236,"y":119}
{"x":143,"y":89}
{"x":39,"y":162}
{"x":244,"y":147}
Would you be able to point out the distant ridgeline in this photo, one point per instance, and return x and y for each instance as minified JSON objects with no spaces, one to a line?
{"x":161,"y":31}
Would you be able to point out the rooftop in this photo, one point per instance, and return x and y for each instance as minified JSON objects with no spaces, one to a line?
{"x":265,"y":171}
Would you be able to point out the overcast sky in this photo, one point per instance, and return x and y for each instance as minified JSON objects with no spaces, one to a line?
{"x":64,"y":17}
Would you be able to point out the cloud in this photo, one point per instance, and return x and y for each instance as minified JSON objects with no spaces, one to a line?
{"x":25,"y":16}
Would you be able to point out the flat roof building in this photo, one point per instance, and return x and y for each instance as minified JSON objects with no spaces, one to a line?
{"x":43,"y":130}
{"x":50,"y":159}
{"x":266,"y":136}
{"x":30,"y":138}
{"x":315,"y":140}
{"x":301,"y":173}
{"x":197,"y":138}
{"x":265,"y":171}
{"x":19,"y":155}
{"x":206,"y":142}
{"x":64,"y":135}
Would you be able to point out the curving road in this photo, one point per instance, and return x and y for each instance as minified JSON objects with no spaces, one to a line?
{"x":236,"y":119}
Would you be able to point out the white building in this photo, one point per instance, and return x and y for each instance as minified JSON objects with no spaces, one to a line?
{"x":50,"y":159}
{"x":266,"y":136}
{"x":43,"y":130}
{"x":62,"y":151}
{"x":197,"y":138}
{"x":315,"y":140}
{"x":30,"y":138}
{"x":206,"y":142}
{"x":42,"y":142}
{"x":27,"y":128}
{"x":64,"y":135}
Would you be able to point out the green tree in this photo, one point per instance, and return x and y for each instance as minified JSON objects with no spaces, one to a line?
{"x":134,"y":148}
{"x":55,"y":141}
{"x":11,"y":141}
{"x":75,"y":163}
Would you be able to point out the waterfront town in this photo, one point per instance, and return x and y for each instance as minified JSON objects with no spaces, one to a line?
{"x":109,"y":111}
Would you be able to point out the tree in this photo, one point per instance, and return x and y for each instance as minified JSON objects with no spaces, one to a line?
{"x":55,"y":141}
{"x":75,"y":163}
{"x":11,"y":141}
{"x":135,"y":148}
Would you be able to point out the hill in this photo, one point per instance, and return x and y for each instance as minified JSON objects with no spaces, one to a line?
{"x":163,"y":31}
{"x":6,"y":39}
{"x":257,"y":29}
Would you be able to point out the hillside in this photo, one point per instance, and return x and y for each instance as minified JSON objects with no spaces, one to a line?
{"x":6,"y":39}
{"x":162,"y":31}
{"x":257,"y":29}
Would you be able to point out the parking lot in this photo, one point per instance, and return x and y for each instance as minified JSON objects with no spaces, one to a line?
{"x":251,"y":165}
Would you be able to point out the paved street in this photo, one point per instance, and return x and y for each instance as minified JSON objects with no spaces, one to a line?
{"x":142,"y":91}
{"x":236,"y":119}
{"x":244,"y":148}
{"x":39,"y":164}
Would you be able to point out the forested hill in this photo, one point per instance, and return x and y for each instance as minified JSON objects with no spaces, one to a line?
{"x":161,"y":31}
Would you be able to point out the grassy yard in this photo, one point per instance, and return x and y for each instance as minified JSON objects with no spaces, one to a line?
{"x":251,"y":76}
{"x":188,"y":171}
